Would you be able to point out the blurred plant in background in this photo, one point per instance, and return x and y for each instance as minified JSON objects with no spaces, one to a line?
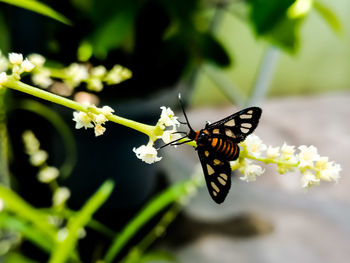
{"x":159,"y":47}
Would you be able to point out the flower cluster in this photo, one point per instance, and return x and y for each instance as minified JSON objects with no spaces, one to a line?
{"x":72,"y":76}
{"x":76,"y":74}
{"x":312,"y":166}
{"x":18,"y":65}
{"x":148,"y":153}
{"x":92,"y":120}
{"x":47,"y":174}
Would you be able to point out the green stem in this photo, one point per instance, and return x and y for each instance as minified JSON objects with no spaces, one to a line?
{"x":268,"y":160}
{"x":20,"y":86}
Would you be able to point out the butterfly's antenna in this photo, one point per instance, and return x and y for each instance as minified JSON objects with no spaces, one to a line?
{"x":179,"y":143}
{"x":170,"y":143}
{"x":183,"y":110}
{"x":181,"y":132}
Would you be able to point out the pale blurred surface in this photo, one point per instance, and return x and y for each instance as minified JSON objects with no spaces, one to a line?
{"x":307,"y":226}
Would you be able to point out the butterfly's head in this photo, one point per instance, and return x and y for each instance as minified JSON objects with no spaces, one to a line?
{"x":192,"y":134}
{"x":203,"y":137}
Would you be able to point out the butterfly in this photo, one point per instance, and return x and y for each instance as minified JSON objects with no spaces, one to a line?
{"x":217,"y":145}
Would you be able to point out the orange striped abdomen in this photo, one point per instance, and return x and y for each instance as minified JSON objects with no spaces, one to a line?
{"x":225,"y":148}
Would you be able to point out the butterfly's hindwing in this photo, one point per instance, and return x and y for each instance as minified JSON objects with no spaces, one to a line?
{"x":217,"y":173}
{"x":237,"y":126}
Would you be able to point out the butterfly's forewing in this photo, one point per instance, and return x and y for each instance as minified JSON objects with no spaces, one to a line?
{"x":237,"y":126}
{"x":217,"y":174}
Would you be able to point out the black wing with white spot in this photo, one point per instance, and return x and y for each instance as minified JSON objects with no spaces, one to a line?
{"x":238,"y":125}
{"x":217,"y":174}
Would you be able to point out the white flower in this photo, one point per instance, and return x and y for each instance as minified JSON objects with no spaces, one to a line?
{"x":167,"y":118}
{"x":100,"y":118}
{"x":27,"y":66}
{"x":37,"y":59}
{"x":60,"y":196}
{"x":76,"y":74}
{"x":287,"y":151}
{"x":98,"y":71}
{"x":38,"y":158}
{"x":250,"y":171}
{"x":307,"y":156}
{"x":55,"y":220}
{"x":31,"y":143}
{"x":81,"y":233}
{"x":106,"y":110}
{"x":99,"y":130}
{"x":82,"y":120}
{"x":309,"y":179}
{"x":48,"y":174}
{"x":95,"y":84}
{"x":273,"y":152}
{"x":16,"y":58}
{"x":42,"y":78}
{"x":117,"y":74}
{"x":169,"y":136}
{"x":254,"y":145}
{"x":62,"y":234}
{"x":147,"y":153}
{"x":330,"y":171}
{"x":3,"y":78}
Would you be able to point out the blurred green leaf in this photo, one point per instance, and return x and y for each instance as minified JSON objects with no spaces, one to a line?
{"x":77,"y":222}
{"x":159,"y":202}
{"x":279,"y":21}
{"x":4,"y":33}
{"x":5,"y":148}
{"x":286,"y":34}
{"x":28,"y":231}
{"x":85,"y":51}
{"x":113,"y":31}
{"x":328,"y":16}
{"x":20,"y":207}
{"x":40,"y":8}
{"x":18,"y":258}
{"x":212,"y":50}
{"x":265,"y":15}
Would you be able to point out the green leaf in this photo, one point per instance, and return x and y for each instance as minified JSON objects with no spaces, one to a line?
{"x":40,"y":8}
{"x":19,"y":206}
{"x":4,"y":33}
{"x":18,"y":258}
{"x":328,"y":16}
{"x":278,"y":22}
{"x":28,"y":231}
{"x":113,"y":32}
{"x":265,"y":15}
{"x":158,"y":203}
{"x":77,"y":222}
{"x":286,"y":34}
{"x":212,"y":50}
